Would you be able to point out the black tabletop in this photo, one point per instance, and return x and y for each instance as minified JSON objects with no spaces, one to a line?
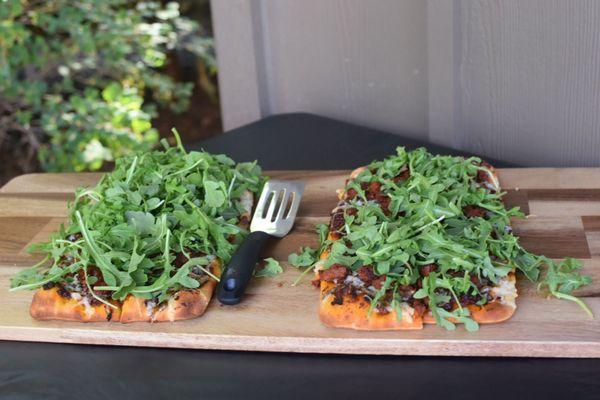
{"x":293,"y":141}
{"x":307,"y":141}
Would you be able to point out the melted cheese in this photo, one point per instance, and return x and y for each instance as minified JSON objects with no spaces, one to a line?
{"x":408,"y":313}
{"x":150,"y":307}
{"x":171,"y":309}
{"x":506,"y":291}
{"x":89,"y":310}
{"x":354,"y":281}
{"x":74,"y":286}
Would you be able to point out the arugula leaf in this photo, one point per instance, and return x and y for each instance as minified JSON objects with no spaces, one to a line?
{"x":563,"y":278}
{"x":136,"y":259}
{"x":214,"y":194}
{"x":380,"y":293}
{"x":323,"y":231}
{"x":143,"y":222}
{"x":305,"y":258}
{"x":32,"y":274}
{"x":271,"y":268}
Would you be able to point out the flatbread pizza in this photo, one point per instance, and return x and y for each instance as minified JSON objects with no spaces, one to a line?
{"x":420,"y":239}
{"x":148,"y":243}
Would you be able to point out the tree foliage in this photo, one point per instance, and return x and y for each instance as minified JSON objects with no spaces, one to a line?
{"x":81,"y":80}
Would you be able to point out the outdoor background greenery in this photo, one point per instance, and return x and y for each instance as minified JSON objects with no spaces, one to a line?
{"x":81,"y":81}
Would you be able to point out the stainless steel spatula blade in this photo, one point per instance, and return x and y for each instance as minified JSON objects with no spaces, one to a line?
{"x":277,"y":207}
{"x":274,"y":216}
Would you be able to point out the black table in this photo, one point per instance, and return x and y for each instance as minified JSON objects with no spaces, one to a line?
{"x":293,"y":141}
{"x":307,"y":141}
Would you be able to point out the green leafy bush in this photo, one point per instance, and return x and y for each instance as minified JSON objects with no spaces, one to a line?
{"x":80,"y":81}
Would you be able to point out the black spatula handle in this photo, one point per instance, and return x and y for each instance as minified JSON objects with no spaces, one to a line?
{"x":241,"y":266}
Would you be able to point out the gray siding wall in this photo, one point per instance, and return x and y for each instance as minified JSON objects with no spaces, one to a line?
{"x":517,"y":80}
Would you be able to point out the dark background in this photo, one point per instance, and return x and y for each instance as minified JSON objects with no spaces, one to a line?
{"x":59,"y":371}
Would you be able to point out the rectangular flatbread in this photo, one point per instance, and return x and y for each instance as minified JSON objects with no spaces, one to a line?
{"x":348,"y":292}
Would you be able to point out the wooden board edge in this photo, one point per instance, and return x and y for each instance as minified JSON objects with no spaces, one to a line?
{"x":19,"y":183}
{"x":510,"y":178}
{"x":16,"y":184}
{"x":316,"y":345}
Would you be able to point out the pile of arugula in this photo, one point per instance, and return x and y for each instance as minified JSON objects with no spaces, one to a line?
{"x":151,"y":208}
{"x":426,"y":224}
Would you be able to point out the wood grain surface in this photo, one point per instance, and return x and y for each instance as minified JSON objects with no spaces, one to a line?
{"x":564,"y":220}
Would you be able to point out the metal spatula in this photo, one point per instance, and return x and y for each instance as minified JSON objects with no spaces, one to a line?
{"x":274,"y":216}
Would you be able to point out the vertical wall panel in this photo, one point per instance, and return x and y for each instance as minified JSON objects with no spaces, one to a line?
{"x":239,"y":65}
{"x":363,"y":62}
{"x":360,"y":61}
{"x":517,"y":80}
{"x":530,"y":80}
{"x":443,"y":55}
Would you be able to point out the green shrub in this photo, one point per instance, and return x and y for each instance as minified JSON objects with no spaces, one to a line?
{"x":81,"y":80}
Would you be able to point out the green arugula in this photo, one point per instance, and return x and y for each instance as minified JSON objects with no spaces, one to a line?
{"x":152,"y":209}
{"x":270,"y":269}
{"x":562,"y":278}
{"x":305,"y":258}
{"x":427,"y":224}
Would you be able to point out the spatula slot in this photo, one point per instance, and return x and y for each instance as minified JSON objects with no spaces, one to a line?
{"x":267,"y":204}
{"x":288,"y":205}
{"x":278,"y":204}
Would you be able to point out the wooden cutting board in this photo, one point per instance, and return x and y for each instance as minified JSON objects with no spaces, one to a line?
{"x":564,"y":208}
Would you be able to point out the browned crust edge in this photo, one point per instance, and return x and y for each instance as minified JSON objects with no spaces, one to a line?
{"x":48,"y":304}
{"x":184,"y":304}
{"x":354,"y":314}
{"x":490,"y":313}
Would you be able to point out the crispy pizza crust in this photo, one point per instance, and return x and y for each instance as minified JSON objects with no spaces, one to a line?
{"x":184,"y":304}
{"x":495,"y":311}
{"x":501,"y":309}
{"x":48,"y":304}
{"x":353,"y":312}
